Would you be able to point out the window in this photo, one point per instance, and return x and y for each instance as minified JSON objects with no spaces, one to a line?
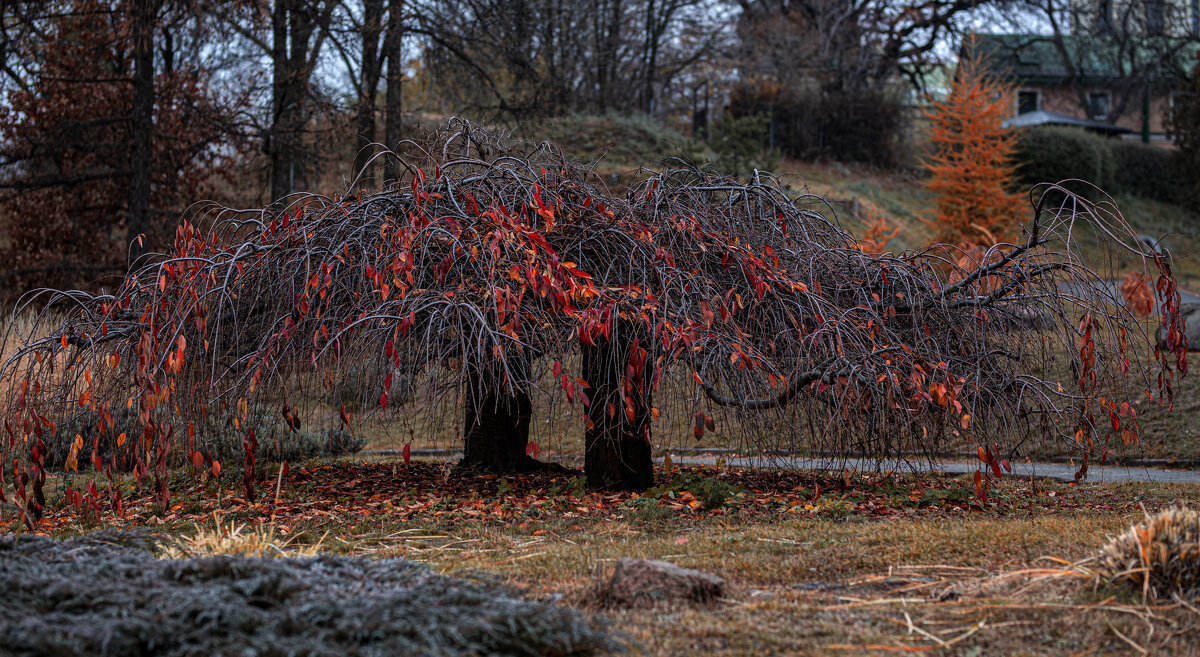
{"x":1028,"y":101}
{"x":1098,"y":103}
{"x":1156,"y":17}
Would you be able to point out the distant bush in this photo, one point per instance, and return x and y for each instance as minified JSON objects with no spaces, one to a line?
{"x":1051,"y":154}
{"x":741,"y":146}
{"x":847,"y":126}
{"x":1147,"y":171}
{"x":217,"y":437}
{"x":623,"y":141}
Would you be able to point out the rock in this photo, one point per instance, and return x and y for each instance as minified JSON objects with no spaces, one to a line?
{"x":1023,"y":317}
{"x":642,"y":583}
{"x":1191,"y":327}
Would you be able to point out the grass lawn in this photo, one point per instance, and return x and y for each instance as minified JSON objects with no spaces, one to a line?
{"x":834,"y":564}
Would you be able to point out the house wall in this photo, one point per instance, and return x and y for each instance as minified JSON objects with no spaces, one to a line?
{"x":1063,"y":99}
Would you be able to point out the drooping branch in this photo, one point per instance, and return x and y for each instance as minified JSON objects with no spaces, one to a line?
{"x":478,"y":279}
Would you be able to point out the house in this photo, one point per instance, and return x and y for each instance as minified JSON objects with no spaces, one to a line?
{"x":1116,"y":86}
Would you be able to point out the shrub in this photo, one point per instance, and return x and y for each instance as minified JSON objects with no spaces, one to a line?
{"x":215,"y":436}
{"x":846,"y":126}
{"x":232,"y":605}
{"x":1051,"y":154}
{"x":741,"y":146}
{"x":1147,"y":171}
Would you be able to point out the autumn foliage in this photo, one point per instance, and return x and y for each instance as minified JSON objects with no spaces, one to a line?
{"x":971,"y":169}
{"x":1139,"y":298}
{"x":877,"y":235}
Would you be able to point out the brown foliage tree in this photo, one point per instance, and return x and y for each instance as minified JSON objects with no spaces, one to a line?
{"x":76,"y":174}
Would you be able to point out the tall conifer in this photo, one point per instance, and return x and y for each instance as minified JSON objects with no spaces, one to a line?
{"x":971,"y":168}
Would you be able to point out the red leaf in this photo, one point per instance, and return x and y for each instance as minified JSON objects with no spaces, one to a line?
{"x":216,"y":468}
{"x":1006,"y":465}
{"x":532,"y":450}
{"x":406,"y":454}
{"x":383,"y":397}
{"x":696,"y":376}
{"x":557,"y":369}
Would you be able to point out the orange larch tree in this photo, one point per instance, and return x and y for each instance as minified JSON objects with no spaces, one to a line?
{"x":971,"y":169}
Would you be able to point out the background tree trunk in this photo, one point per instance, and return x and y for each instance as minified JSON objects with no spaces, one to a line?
{"x":368,"y":85}
{"x":617,"y":441}
{"x":294,"y":55}
{"x":279,"y":144}
{"x":141,"y":125}
{"x":393,"y":129}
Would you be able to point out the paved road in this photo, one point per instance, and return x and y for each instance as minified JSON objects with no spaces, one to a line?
{"x":1059,"y":471}
{"x":1110,"y":291}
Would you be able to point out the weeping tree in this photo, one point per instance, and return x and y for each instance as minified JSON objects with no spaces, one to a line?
{"x":495,"y":266}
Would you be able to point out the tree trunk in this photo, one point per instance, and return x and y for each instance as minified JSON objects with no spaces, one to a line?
{"x":496,"y":430}
{"x":393,"y":129}
{"x":279,"y":143}
{"x":617,"y":440}
{"x":368,"y":84}
{"x":142,"y":126}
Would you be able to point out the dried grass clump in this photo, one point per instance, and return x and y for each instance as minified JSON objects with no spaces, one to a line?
{"x":236,"y":540}
{"x":1160,"y":557}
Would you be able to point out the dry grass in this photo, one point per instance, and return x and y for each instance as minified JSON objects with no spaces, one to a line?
{"x":258,"y":541}
{"x":963,"y":586}
{"x":954,"y":582}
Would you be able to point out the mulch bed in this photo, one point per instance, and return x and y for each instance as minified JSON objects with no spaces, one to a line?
{"x":439,"y":493}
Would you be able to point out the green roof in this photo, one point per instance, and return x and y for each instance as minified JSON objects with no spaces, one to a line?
{"x":1039,"y":58}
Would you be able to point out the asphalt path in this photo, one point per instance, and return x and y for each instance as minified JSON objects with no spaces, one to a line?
{"x":1061,"y":471}
{"x":1110,"y":291}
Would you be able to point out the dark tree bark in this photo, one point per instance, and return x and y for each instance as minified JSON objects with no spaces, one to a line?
{"x":496,"y":430}
{"x":141,"y":124}
{"x":294,"y":55}
{"x":393,"y":129}
{"x":617,"y":440}
{"x":368,"y":84}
